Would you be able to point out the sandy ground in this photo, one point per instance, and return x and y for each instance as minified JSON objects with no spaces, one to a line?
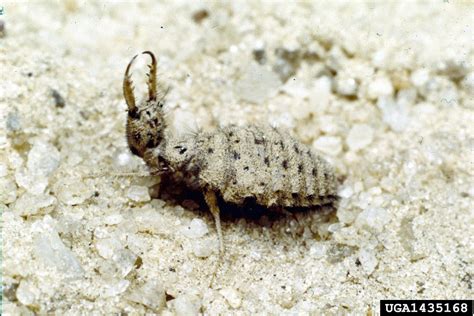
{"x":384,"y":91}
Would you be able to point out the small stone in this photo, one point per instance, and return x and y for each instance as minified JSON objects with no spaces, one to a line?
{"x":196,"y":229}
{"x":257,"y":84}
{"x":113,"y":219}
{"x":43,"y":158}
{"x":320,"y":94}
{"x":138,"y":193}
{"x":30,"y":204}
{"x":420,"y":77}
{"x":114,"y":289}
{"x":373,"y":219}
{"x":73,"y":192}
{"x":381,"y":86}
{"x":368,"y":260}
{"x":51,"y":250}
{"x":13,"y":122}
{"x":187,"y":305}
{"x":33,"y":183}
{"x":123,"y":159}
{"x":330,"y":145}
{"x":203,"y":248}
{"x":346,"y":86}
{"x":107,"y":247}
{"x":394,"y":114}
{"x":232,"y":297}
{"x":345,"y":192}
{"x":3,"y":170}
{"x":360,"y":136}
{"x":7,"y":191}
{"x":151,"y":295}
{"x":26,"y":293}
{"x":124,"y":260}
{"x":318,"y":250}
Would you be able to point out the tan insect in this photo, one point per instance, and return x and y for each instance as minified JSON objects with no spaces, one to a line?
{"x":260,"y":163}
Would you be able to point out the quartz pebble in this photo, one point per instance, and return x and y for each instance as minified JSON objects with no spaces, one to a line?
{"x":116,"y":288}
{"x":26,"y":293}
{"x":7,"y":191}
{"x":196,"y":229}
{"x":380,"y":87}
{"x":43,"y":158}
{"x":330,"y":145}
{"x":73,"y":192}
{"x":138,"y":193}
{"x":373,"y":219}
{"x":52,"y":251}
{"x":232,"y":297}
{"x":30,"y":204}
{"x":419,"y":77}
{"x":203,"y":248}
{"x":346,"y":86}
{"x":187,"y":305}
{"x":107,"y":247}
{"x":360,"y":136}
{"x":394,"y":114}
{"x":368,"y":260}
{"x":151,"y":294}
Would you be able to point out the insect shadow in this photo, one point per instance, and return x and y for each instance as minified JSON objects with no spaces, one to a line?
{"x":254,"y":214}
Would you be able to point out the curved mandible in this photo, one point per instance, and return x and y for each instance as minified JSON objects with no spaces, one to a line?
{"x":128,"y":87}
{"x":151,"y":77}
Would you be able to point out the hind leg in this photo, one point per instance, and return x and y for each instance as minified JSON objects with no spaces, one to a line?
{"x":211,"y":200}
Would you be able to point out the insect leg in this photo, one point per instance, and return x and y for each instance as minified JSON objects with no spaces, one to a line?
{"x":211,"y":201}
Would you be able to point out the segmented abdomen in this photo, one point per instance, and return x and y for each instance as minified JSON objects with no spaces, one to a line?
{"x":265,"y":164}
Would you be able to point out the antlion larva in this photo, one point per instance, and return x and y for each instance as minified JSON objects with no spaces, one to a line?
{"x":234,"y":163}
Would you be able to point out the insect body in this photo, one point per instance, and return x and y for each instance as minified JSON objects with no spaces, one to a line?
{"x":235,"y":163}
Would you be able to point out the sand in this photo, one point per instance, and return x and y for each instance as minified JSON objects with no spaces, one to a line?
{"x":384,"y":91}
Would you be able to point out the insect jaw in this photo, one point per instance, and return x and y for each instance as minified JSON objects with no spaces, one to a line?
{"x":128,"y":83}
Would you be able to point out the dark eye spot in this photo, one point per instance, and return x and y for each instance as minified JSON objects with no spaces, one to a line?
{"x":234,"y":182}
{"x":281,"y":145}
{"x":210,"y":150}
{"x":246,"y":168}
{"x":134,"y":114}
{"x":231,"y":134}
{"x":150,"y":143}
{"x":183,"y":150}
{"x":300,"y":168}
{"x":155,"y":121}
{"x":262,"y":184}
{"x":160,"y":104}
{"x":148,"y":113}
{"x":237,"y":141}
{"x":259,"y":141}
{"x":285,"y":164}
{"x":236,"y":155}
